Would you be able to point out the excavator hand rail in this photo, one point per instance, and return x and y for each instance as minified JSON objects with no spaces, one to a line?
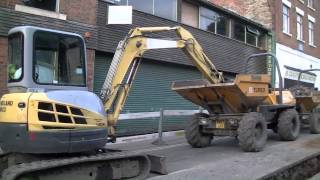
{"x":278,"y":69}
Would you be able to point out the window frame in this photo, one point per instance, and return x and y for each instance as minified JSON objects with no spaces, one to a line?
{"x":227,"y":26}
{"x":254,"y":32}
{"x":215,"y":21}
{"x":311,"y":33}
{"x":82,"y":54}
{"x":56,"y":8}
{"x":153,"y":10}
{"x":22,"y":57}
{"x":41,"y":12}
{"x":195,"y":13}
{"x":311,"y":4}
{"x":244,"y":32}
{"x":287,"y":16}
{"x":299,"y":27}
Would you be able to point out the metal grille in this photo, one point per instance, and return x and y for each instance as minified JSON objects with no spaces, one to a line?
{"x":51,"y":112}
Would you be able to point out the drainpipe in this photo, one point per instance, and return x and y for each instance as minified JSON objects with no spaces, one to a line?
{"x":271,"y":47}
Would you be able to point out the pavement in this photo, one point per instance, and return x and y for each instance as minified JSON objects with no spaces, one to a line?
{"x":315,"y":177}
{"x":224,"y":160}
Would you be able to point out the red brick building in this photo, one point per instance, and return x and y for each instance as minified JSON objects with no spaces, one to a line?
{"x":297,"y":30}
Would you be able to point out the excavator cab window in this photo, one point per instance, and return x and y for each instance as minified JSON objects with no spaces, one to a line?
{"x":58,"y":59}
{"x":15,"y":49}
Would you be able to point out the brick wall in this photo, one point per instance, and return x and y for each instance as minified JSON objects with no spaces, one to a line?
{"x":84,"y":11}
{"x":76,"y":10}
{"x":258,"y":11}
{"x":9,"y":3}
{"x":291,"y":40}
{"x":90,"y":68}
{"x":3,"y":64}
{"x":234,"y":5}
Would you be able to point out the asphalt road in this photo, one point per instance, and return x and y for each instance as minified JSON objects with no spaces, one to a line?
{"x":224,"y":159}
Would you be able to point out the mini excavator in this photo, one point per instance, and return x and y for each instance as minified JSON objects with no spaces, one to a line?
{"x":52,"y":127}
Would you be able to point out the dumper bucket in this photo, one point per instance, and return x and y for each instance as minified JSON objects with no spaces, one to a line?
{"x":245,"y":92}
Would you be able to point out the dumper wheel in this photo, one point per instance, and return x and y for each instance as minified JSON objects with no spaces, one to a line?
{"x":252,"y":132}
{"x":314,"y":122}
{"x":193,"y":132}
{"x":289,"y":125}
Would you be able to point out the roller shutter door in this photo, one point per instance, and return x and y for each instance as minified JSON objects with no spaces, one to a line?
{"x":150,"y":92}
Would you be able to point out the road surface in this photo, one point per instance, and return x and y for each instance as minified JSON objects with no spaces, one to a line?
{"x":224,"y":160}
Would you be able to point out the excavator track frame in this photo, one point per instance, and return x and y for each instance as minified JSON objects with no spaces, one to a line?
{"x":108,"y":165}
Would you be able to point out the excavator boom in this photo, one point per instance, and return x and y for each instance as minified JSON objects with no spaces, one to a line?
{"x":128,"y":55}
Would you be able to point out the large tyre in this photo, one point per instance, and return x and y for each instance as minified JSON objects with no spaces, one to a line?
{"x":289,"y":125}
{"x":252,"y":132}
{"x":194,"y":135}
{"x":314,"y":122}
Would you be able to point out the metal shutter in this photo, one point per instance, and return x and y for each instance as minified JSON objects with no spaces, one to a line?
{"x":150,"y":92}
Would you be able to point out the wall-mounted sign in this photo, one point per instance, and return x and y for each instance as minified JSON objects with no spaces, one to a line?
{"x":293,"y":75}
{"x":119,"y":15}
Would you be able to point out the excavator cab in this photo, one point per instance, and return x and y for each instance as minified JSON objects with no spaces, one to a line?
{"x":42,"y":60}
{"x":48,"y":108}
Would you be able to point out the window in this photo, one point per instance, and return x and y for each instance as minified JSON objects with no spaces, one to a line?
{"x":15,"y":63}
{"x":142,"y":5}
{"x":223,"y":26}
{"x":166,"y":9}
{"x":252,"y":35}
{"x":299,"y":27}
{"x":208,"y":19}
{"x":286,"y":19}
{"x":213,"y":22}
{"x":263,"y":41}
{"x":239,"y":30}
{"x":311,"y":4}
{"x":311,"y":33}
{"x":58,"y":59}
{"x":189,"y":14}
{"x":162,"y":8}
{"x":49,"y":5}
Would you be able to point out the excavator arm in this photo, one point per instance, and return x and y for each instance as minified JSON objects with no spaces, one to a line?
{"x":128,"y":56}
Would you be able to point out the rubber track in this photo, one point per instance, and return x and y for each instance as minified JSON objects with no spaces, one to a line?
{"x":15,"y":171}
